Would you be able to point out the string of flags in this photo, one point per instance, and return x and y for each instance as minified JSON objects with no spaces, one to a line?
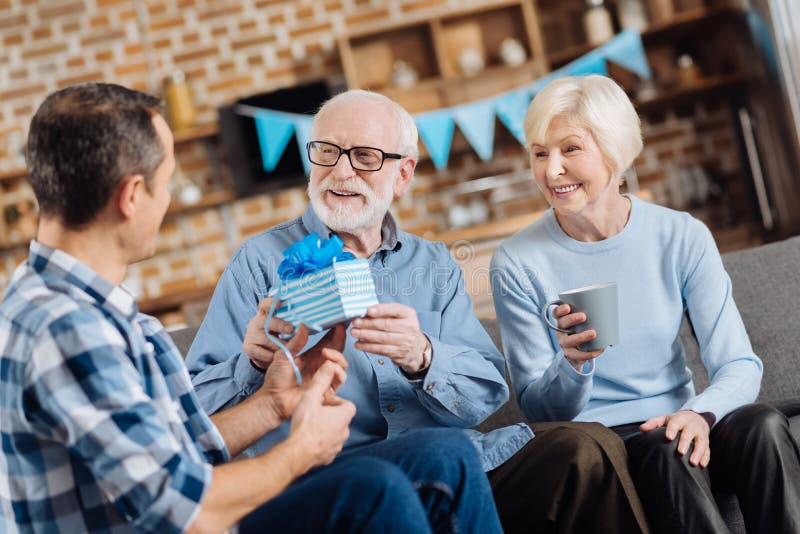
{"x":474,"y":119}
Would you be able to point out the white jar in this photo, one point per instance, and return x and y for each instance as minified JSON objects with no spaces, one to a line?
{"x":631,"y":15}
{"x":597,"y":22}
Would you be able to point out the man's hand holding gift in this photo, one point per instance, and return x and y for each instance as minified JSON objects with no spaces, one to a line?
{"x":392,"y":330}
{"x":280,"y":382}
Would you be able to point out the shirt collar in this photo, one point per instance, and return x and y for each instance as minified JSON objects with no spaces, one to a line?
{"x":57,"y":263}
{"x":390,"y":237}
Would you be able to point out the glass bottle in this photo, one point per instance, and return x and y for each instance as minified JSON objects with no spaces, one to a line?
{"x":178,"y":99}
{"x":597,"y":22}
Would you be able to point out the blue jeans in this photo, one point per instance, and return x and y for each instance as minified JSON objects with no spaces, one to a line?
{"x":443,"y":465}
{"x":429,"y":480}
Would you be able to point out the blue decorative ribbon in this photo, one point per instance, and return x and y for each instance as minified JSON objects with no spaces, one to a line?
{"x":310,"y":255}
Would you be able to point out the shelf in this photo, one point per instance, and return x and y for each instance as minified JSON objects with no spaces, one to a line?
{"x":13,"y":174}
{"x":704,"y":85}
{"x":565,"y":55}
{"x":195,"y":133}
{"x":207,"y":201}
{"x":685,"y":20}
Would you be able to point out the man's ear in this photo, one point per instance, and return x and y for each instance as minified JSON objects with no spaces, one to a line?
{"x":129,"y":193}
{"x":403,"y":181}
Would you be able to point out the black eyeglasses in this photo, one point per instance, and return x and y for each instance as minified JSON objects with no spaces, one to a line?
{"x":362,"y":158}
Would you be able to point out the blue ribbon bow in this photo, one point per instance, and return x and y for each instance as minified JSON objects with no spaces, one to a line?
{"x":310,"y":255}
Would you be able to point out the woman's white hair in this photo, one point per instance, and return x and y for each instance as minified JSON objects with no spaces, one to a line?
{"x":595,"y":103}
{"x":407,"y":134}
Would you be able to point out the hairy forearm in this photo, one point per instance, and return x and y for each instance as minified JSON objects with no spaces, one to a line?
{"x":240,"y":487}
{"x":246,"y":422}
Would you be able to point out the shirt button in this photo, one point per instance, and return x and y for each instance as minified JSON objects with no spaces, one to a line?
{"x":390,"y":407}
{"x":429,"y":386}
{"x":380,"y":361}
{"x":456,"y":404}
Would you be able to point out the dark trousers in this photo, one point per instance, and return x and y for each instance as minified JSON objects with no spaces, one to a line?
{"x":753,"y":455}
{"x":570,"y":478}
{"x":428,"y":480}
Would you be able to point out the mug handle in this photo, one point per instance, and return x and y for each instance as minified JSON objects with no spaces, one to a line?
{"x":546,"y":316}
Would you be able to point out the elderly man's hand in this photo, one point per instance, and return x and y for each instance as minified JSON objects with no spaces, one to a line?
{"x":280,"y":383}
{"x":392,"y":330}
{"x":256,"y":344}
{"x":569,"y":343}
{"x":692,"y":427}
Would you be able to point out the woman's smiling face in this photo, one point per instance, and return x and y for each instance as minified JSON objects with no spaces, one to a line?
{"x":570,"y":169}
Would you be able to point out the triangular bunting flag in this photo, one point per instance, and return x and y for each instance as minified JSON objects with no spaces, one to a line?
{"x":627,"y":50}
{"x":476,"y":122}
{"x":592,"y":63}
{"x":302,"y":130}
{"x":274,"y":130}
{"x":436,"y":131}
{"x":511,"y":108}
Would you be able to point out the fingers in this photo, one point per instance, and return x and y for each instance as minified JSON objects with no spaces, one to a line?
{"x":379,"y":337}
{"x":390,"y":351}
{"x":335,"y":356}
{"x":279,"y":326}
{"x":390,"y":309}
{"x":653,"y":423}
{"x":264,"y":306}
{"x":572,"y":319}
{"x":562,"y":310}
{"x":323,"y":379}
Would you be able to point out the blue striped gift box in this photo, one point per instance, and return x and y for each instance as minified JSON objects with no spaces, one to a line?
{"x":329,"y":296}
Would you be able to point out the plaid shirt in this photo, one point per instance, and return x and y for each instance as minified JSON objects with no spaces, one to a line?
{"x":100,"y":428}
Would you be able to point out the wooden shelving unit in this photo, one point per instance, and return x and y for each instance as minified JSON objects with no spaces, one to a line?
{"x":701,"y":87}
{"x":432,"y":47}
{"x":13,"y":174}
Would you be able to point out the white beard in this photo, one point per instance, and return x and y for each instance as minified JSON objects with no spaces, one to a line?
{"x":342,"y":218}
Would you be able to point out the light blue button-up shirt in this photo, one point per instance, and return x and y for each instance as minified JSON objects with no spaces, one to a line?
{"x":462,"y":387}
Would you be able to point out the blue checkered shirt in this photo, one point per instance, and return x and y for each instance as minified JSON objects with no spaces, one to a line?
{"x":101,"y":430}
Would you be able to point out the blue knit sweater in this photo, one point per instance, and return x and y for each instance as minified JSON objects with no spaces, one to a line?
{"x":665,"y":262}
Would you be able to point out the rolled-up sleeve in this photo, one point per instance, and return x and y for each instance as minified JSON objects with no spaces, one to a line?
{"x":84,"y":392}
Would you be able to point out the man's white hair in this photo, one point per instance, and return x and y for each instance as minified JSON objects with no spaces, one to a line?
{"x":407,"y":135}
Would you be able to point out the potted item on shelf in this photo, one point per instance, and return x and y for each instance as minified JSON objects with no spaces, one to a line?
{"x":597,"y":22}
{"x":184,"y":188}
{"x":512,"y":52}
{"x":631,"y":15}
{"x":688,"y":71}
{"x":403,"y":75}
{"x":471,"y":62}
{"x":178,"y":99}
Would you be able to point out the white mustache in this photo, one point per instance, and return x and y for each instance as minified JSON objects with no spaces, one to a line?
{"x":357,"y":187}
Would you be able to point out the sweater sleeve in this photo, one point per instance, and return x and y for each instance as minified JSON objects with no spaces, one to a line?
{"x":548,"y":388}
{"x":734,"y":371}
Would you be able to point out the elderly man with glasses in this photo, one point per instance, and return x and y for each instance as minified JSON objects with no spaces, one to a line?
{"x":420,"y":360}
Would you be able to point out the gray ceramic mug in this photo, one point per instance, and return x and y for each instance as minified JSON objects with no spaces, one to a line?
{"x":600,"y":303}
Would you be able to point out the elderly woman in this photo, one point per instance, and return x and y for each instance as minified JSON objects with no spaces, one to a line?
{"x":583,"y":133}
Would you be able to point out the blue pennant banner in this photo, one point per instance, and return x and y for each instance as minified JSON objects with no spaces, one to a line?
{"x":436,"y":131}
{"x":475,"y":119}
{"x":302,"y":129}
{"x":627,"y":50}
{"x":274,"y":130}
{"x":511,"y":108}
{"x":476,"y":122}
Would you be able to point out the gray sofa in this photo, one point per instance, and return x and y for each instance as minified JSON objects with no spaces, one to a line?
{"x":766,"y":286}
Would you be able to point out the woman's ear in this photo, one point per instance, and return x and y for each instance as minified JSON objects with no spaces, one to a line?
{"x":129,"y":194}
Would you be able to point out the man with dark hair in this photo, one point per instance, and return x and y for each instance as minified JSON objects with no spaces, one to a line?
{"x":100,"y":428}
